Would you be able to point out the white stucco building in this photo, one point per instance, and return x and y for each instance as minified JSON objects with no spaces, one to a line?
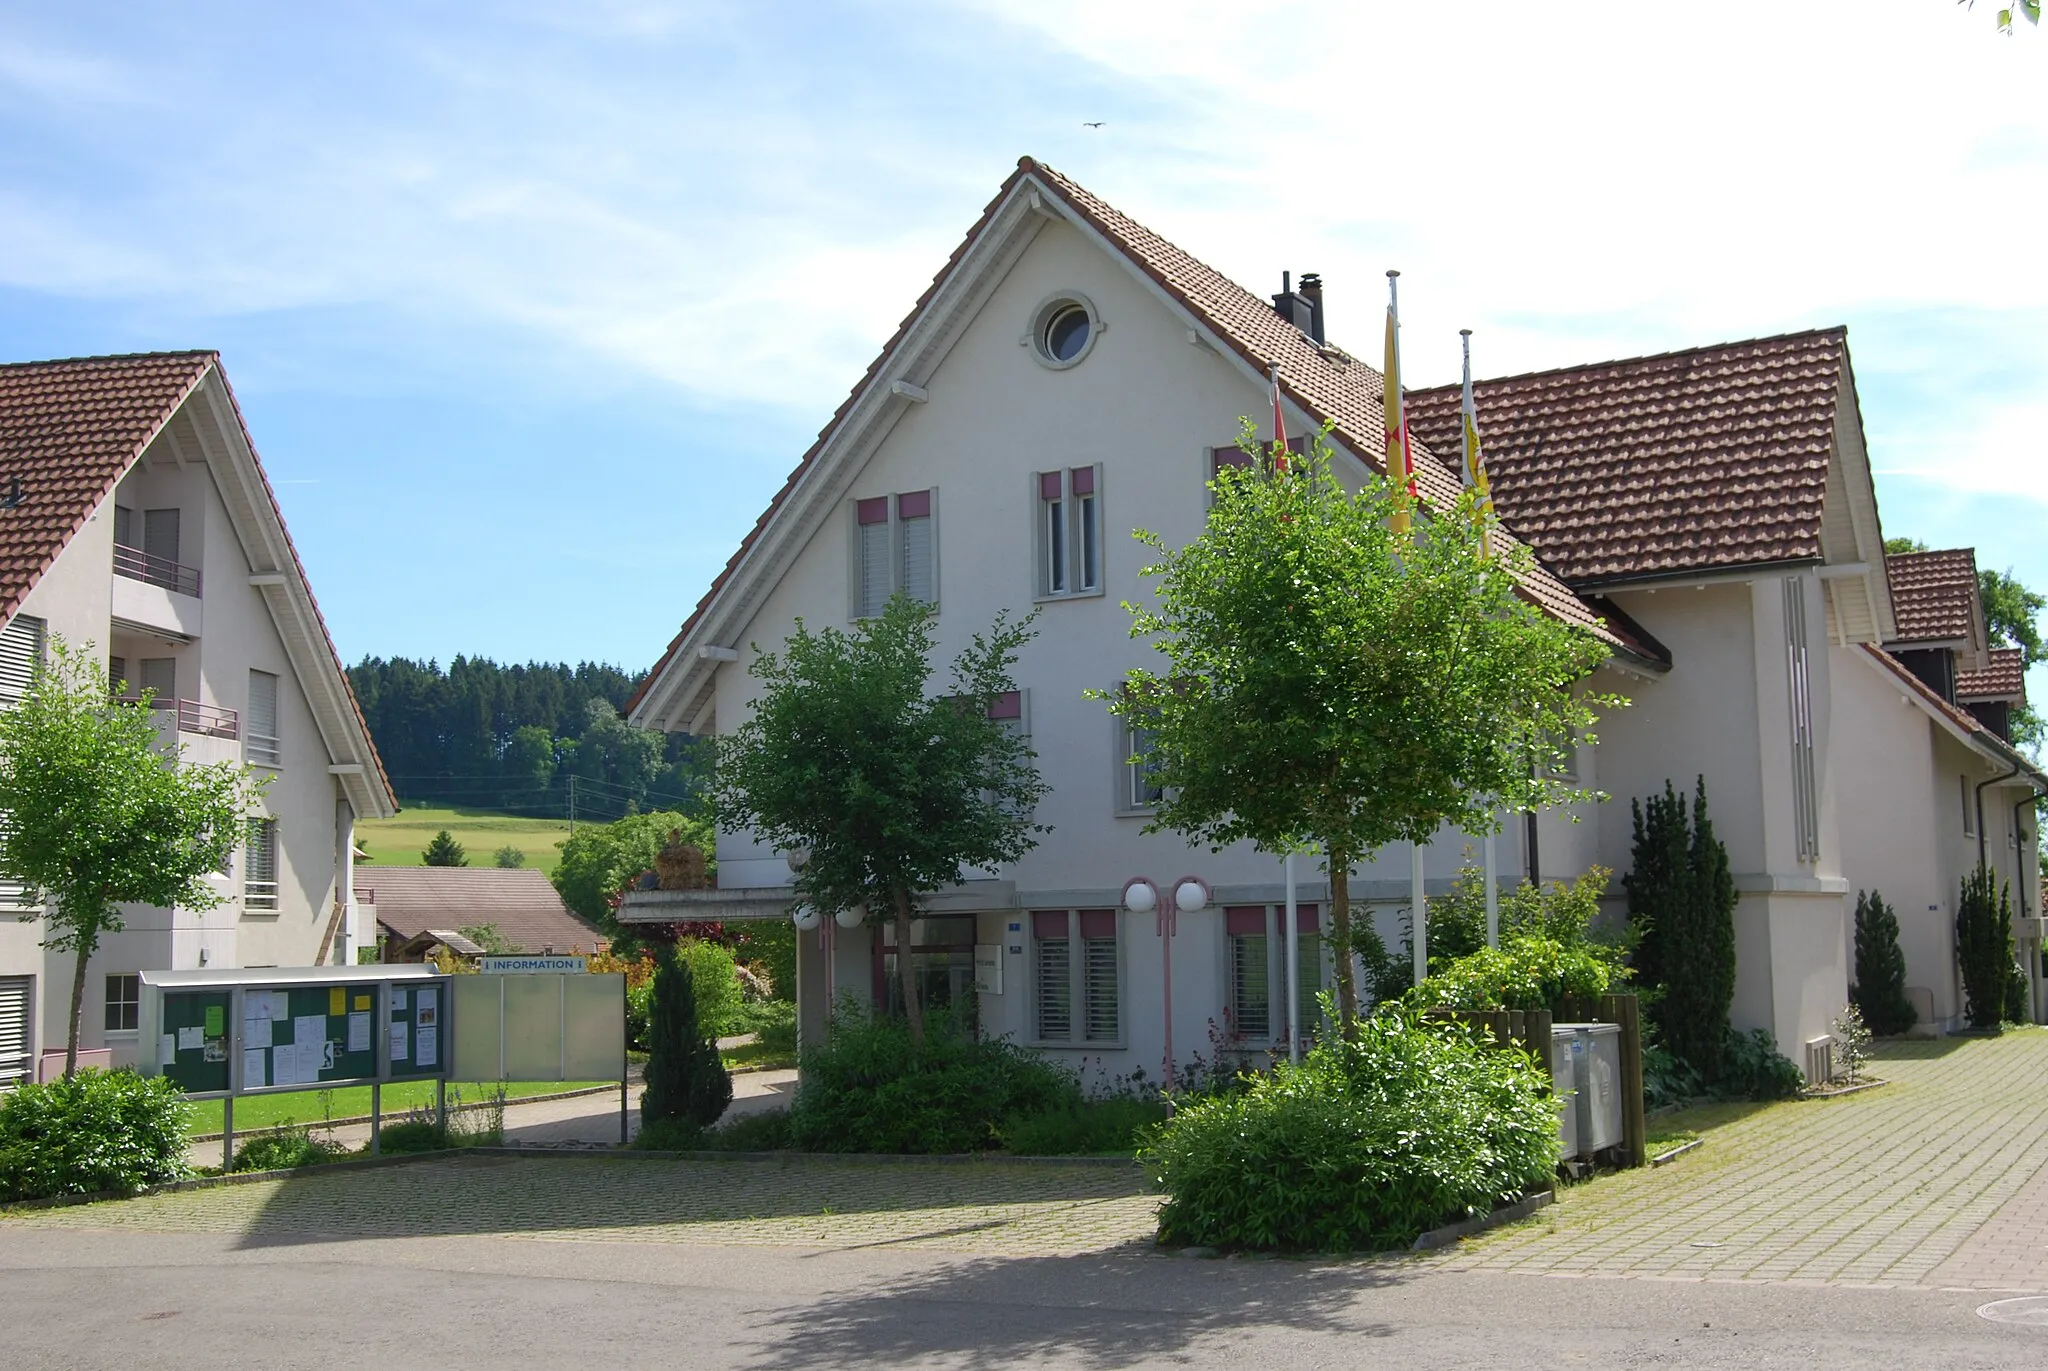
{"x":1071,"y":376}
{"x":137,"y":520}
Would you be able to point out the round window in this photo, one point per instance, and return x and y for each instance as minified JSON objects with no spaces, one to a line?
{"x":1066,"y":333}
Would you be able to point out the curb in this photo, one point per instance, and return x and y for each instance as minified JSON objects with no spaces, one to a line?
{"x":1666,"y":1158}
{"x":1507,"y":1213}
{"x":1856,"y":1089}
{"x":233,"y":1178}
{"x":389,"y":1115}
{"x":797,"y":1158}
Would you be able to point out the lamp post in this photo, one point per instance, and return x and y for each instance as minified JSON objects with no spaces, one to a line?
{"x":1190,"y":893}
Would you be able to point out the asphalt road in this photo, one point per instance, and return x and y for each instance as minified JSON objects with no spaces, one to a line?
{"x":98,"y":1299}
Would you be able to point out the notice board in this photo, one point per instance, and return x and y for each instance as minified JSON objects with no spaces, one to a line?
{"x":308,"y":1035}
{"x":192,"y":1046}
{"x":418,"y":1031}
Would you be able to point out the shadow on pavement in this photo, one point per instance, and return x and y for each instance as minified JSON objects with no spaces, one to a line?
{"x":1118,"y":1309}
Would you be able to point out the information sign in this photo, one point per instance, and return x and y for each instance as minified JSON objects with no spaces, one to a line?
{"x":509,"y":965}
{"x":418,"y":1022}
{"x":192,"y":1041}
{"x":307,"y":1035}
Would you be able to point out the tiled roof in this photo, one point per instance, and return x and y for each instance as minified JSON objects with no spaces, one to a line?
{"x":519,"y":901}
{"x":1933,"y":594}
{"x":1961,"y":719}
{"x":69,"y":430}
{"x":1325,"y":381}
{"x":2003,"y":678}
{"x":1715,"y":457}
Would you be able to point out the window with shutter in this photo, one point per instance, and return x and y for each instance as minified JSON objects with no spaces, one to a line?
{"x":1068,"y":537}
{"x":15,"y":993}
{"x":160,"y":533}
{"x":1308,"y":1011}
{"x":871,"y":551}
{"x":21,"y":652}
{"x":1099,"y":973}
{"x":127,"y":530}
{"x":117,"y":675}
{"x":1141,"y":788}
{"x":160,"y":674}
{"x":13,"y":894}
{"x":917,"y":575}
{"x":1251,"y":971}
{"x":259,"y":870}
{"x":262,"y":737}
{"x":1054,"y":975}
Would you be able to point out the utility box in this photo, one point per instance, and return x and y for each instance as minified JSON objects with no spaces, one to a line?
{"x":1596,"y":1061}
{"x":1564,"y":1054}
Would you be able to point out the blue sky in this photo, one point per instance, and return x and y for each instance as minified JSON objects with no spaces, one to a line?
{"x":531,"y":306}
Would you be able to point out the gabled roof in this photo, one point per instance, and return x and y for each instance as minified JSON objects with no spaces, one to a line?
{"x":1965,"y":726}
{"x":519,"y":902}
{"x":2003,"y":678}
{"x":69,"y":431}
{"x":1935,"y":595}
{"x":1708,"y":459}
{"x":1324,"y":382}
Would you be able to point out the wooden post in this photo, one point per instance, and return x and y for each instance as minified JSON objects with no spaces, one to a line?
{"x":227,"y":1135}
{"x":376,"y":1117}
{"x":1635,"y":1130}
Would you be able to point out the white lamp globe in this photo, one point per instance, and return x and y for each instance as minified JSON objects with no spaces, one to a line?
{"x":1190,"y":896}
{"x":851,"y":917}
{"x":1140,"y":897}
{"x":805,"y":918}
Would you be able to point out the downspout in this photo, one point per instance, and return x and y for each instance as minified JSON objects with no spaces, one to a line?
{"x":2016,"y":769}
{"x":2019,"y":845}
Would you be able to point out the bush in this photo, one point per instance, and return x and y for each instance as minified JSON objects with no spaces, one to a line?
{"x":1111,"y":1124}
{"x":765,"y":1130}
{"x":1880,"y":990}
{"x":868,"y":1089}
{"x":685,"y":1078}
{"x":2015,"y":993}
{"x":1984,"y":948}
{"x":669,"y":1135}
{"x":714,"y":977}
{"x":1365,"y":1145}
{"x":1525,"y":972}
{"x":1752,"y":1068}
{"x":1561,"y":912}
{"x":1681,"y":904}
{"x":285,"y":1148}
{"x":1668,"y":1082}
{"x":417,"y":1135}
{"x":91,"y":1133}
{"x":1852,"y":1045}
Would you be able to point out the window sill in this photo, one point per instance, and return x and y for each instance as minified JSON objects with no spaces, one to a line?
{"x":1151,"y":813}
{"x":121,"y":1035}
{"x":259,"y":913}
{"x":1065,"y":1046}
{"x":1054,"y":597}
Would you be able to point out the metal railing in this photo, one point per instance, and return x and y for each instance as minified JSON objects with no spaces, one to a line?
{"x":259,"y":894}
{"x":366,"y":894}
{"x":138,"y":565}
{"x":263,"y":749}
{"x":194,"y":717}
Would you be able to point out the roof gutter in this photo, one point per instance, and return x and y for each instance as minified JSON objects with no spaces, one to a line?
{"x":1684,"y":579}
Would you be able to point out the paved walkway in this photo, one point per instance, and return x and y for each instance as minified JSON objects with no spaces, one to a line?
{"x":1940,"y":1178}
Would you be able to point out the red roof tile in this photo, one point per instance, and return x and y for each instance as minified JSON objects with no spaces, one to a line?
{"x":519,"y":901}
{"x":1325,"y":381}
{"x":69,"y":430}
{"x":1934,"y":594}
{"x":1714,"y":457}
{"x":2004,"y":678}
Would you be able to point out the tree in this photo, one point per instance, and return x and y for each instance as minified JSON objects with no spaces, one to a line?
{"x":1332,"y":682}
{"x":1681,"y":899}
{"x":2029,"y":10}
{"x":600,"y":860}
{"x":491,"y":939}
{"x":509,"y":857}
{"x":99,"y":815}
{"x":2012,"y":615}
{"x":686,"y":1081}
{"x":1879,"y":993}
{"x":444,"y":851}
{"x":1984,"y":949}
{"x":891,"y":790}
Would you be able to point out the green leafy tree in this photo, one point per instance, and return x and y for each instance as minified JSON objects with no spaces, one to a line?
{"x":509,"y":857}
{"x":600,"y":860}
{"x":443,"y":850}
{"x":686,"y":1081}
{"x":1880,"y":990}
{"x":2012,"y":616}
{"x":99,"y":815}
{"x":891,"y":790}
{"x":491,"y":939}
{"x":1333,"y":683}
{"x":1681,"y":900}
{"x":2029,"y":10}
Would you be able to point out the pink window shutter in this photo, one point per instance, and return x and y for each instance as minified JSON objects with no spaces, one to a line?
{"x":1244,"y":920}
{"x":1098,"y":923}
{"x":914,"y":504}
{"x":1049,"y":925}
{"x":875,"y":511}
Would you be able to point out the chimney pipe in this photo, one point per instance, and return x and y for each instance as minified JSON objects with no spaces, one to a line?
{"x":1312,"y":291}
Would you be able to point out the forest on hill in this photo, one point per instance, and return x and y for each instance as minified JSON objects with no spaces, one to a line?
{"x":524,"y":739}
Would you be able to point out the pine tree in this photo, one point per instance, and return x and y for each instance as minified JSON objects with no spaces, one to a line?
{"x":1984,"y":947}
{"x":1880,"y":990}
{"x":686,"y":1081}
{"x":444,"y":851}
{"x":1681,"y":897}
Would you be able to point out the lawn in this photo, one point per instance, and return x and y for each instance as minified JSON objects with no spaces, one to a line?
{"x":253,"y":1112}
{"x":400,"y":840}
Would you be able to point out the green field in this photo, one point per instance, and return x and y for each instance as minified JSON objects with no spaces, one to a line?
{"x":399,"y":841}
{"x":255,"y":1112}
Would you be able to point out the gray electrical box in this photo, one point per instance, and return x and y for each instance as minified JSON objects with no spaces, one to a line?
{"x":1564,"y":1051}
{"x":1596,"y":1069}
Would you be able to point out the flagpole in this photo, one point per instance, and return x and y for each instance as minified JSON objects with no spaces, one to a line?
{"x":1293,"y":933}
{"x":1418,"y":900}
{"x":1469,"y":422}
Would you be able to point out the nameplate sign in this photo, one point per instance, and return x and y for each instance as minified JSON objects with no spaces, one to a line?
{"x":531,"y":966}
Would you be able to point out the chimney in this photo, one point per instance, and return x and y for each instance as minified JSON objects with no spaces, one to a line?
{"x":1312,"y":291}
{"x":1302,"y":308}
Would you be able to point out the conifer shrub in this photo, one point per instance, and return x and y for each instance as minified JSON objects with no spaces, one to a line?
{"x":1984,"y":949}
{"x":90,"y":1133}
{"x":1880,"y":990}
{"x":1363,"y":1146}
{"x":686,"y":1081}
{"x":1681,"y":903}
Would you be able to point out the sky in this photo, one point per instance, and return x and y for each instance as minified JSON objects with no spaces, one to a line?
{"x":532,"y":306}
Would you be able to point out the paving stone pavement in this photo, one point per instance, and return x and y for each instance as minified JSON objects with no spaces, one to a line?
{"x":1940,"y":1178}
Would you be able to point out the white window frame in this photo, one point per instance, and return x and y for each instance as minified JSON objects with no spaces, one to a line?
{"x":1129,"y":773}
{"x":1078,"y":1003}
{"x":263,"y":749}
{"x":132,"y":1001}
{"x":894,"y":550}
{"x":260,"y":841}
{"x":1063,"y":526}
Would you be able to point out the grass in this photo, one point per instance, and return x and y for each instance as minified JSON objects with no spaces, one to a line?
{"x":306,"y":1107}
{"x":759,"y":1054}
{"x":400,"y":841}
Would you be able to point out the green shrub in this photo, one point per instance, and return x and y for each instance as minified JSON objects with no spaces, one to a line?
{"x":1984,"y":948}
{"x":1562,"y":912}
{"x":765,"y":1130}
{"x":772,"y":1019}
{"x":868,"y":1089}
{"x":685,"y":1078}
{"x":1363,"y":1146}
{"x":419,"y":1135}
{"x":2015,"y":993}
{"x":1668,"y":1082}
{"x":1681,"y":905}
{"x":1112,"y":1124}
{"x":1524,"y":972}
{"x":714,"y":976}
{"x":1752,"y":1068}
{"x":669,"y":1135}
{"x":91,"y":1133}
{"x":1880,"y":990}
{"x":285,"y":1148}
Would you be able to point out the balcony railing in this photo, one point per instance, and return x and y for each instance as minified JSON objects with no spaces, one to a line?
{"x":193,"y":717}
{"x":138,"y":565}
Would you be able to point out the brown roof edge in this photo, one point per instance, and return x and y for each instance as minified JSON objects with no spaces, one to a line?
{"x":1840,"y":331}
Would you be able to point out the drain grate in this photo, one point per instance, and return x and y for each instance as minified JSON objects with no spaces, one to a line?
{"x":2030,"y":1311}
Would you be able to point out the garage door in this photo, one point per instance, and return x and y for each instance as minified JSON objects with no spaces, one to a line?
{"x":14,"y":1045}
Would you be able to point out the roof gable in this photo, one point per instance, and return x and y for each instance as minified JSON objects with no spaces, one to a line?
{"x":520,"y":902}
{"x":1934,"y":596}
{"x":2004,"y":677}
